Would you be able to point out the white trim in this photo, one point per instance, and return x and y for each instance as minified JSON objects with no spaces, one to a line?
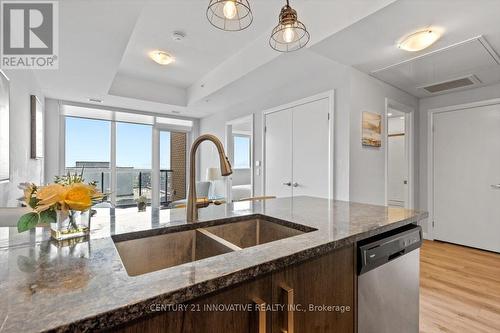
{"x":155,"y":168}
{"x":330,"y":94}
{"x":9,"y":151}
{"x":62,"y":141}
{"x":430,"y":151}
{"x":113,"y":183}
{"x":249,"y":118}
{"x":409,"y":147}
{"x":120,"y":109}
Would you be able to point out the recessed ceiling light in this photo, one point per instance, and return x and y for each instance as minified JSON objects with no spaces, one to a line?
{"x":161,"y":57}
{"x":419,"y":40}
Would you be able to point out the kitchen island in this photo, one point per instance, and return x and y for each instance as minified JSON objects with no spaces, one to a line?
{"x":97,"y":284}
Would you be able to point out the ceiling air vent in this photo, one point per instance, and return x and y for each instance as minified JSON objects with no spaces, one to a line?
{"x":452,"y":84}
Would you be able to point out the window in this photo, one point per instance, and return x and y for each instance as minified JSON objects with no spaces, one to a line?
{"x":88,"y":149}
{"x":133,"y":162}
{"x":241,"y":151}
{"x":90,"y":134}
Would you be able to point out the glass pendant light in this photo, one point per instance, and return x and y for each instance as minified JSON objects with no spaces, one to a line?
{"x":230,"y":15}
{"x":290,"y":34}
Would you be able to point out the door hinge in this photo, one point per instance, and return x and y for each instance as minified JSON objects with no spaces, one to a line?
{"x":328,"y":115}
{"x":265,"y":129}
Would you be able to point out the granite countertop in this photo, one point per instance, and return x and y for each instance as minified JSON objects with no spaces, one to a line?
{"x":47,"y":286}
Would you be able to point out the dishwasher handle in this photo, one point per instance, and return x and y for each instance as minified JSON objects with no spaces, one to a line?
{"x":385,"y":248}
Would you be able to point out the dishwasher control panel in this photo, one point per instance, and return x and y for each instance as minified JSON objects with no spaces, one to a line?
{"x":381,"y":249}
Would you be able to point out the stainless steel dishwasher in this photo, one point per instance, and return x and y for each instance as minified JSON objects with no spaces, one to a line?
{"x":388,"y":281}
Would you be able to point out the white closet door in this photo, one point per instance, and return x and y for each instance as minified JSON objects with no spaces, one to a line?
{"x":311,"y":149}
{"x":278,"y":163}
{"x":466,"y":165}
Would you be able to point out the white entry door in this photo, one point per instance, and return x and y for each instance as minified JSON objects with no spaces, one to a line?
{"x":466,"y":172}
{"x":297,"y":145}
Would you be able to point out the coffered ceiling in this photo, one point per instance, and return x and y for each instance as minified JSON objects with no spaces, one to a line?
{"x":104,"y":46}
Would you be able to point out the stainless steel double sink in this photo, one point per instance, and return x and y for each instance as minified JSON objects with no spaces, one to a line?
{"x":148,"y":254}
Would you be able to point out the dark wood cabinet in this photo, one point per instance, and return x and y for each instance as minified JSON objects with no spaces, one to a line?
{"x":318,"y":295}
{"x":313,"y":296}
{"x":230,"y":310}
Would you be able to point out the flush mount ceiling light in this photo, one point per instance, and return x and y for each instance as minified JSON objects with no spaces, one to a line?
{"x":230,"y":15}
{"x":290,"y":34}
{"x":161,"y":57}
{"x":419,"y":40}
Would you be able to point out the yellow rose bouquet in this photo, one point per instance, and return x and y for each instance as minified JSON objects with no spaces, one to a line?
{"x":64,"y":204}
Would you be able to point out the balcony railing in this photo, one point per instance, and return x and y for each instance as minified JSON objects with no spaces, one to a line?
{"x":130,"y":184}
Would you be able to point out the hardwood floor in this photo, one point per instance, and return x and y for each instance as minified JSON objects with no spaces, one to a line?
{"x":459,"y":289}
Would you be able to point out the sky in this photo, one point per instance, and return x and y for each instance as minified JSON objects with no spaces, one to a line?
{"x":89,"y":140}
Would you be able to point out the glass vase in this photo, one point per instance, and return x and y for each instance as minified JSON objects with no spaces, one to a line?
{"x":70,"y":224}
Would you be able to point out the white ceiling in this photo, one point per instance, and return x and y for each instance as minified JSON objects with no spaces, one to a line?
{"x":370,"y":44}
{"x":104,"y":46}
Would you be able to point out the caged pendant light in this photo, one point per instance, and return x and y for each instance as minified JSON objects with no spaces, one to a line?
{"x":290,"y":34}
{"x":230,"y":15}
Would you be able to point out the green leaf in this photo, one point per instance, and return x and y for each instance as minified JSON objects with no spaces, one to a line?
{"x":27,"y":221}
{"x":33,"y":202}
{"x":48,"y":216}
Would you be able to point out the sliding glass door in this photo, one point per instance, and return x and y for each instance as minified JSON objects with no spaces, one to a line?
{"x":133,"y":163}
{"x":123,"y":154}
{"x":173,"y":146}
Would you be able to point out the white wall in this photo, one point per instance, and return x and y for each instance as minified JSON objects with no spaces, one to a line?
{"x":22,"y":168}
{"x":396,"y":125}
{"x":355,"y":92}
{"x":52,"y":141}
{"x":325,"y":75}
{"x":241,"y":177}
{"x":426,"y":104}
{"x":367,"y":171}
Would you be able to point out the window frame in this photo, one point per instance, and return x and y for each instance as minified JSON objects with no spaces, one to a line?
{"x":159,"y":123}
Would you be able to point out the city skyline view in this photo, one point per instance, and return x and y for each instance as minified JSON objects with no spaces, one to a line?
{"x":89,"y":140}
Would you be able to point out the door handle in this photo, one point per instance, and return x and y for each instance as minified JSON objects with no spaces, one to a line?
{"x":262,"y":313}
{"x":295,"y":184}
{"x":287,"y":184}
{"x":289,"y":308}
{"x":496,"y":186}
